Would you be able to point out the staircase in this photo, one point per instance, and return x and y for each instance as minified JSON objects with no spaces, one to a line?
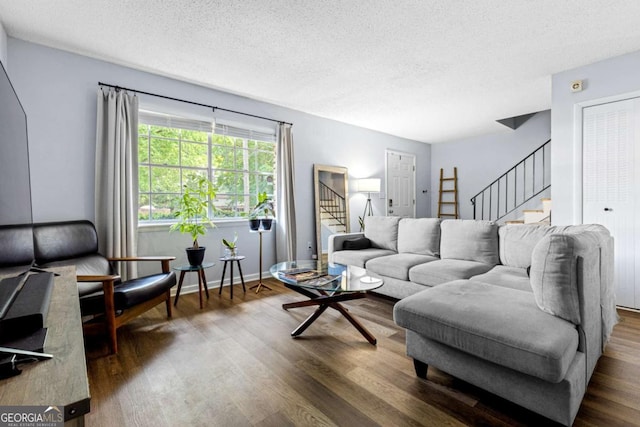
{"x":535,"y":216}
{"x":333,"y":213}
{"x":516,"y":190}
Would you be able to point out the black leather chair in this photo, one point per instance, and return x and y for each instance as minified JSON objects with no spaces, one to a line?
{"x":105,"y":300}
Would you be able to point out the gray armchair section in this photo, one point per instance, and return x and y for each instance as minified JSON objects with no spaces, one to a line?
{"x":106,"y":300}
{"x":523,"y":311}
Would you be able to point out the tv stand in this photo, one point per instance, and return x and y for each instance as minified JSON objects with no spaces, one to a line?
{"x":61,"y":380}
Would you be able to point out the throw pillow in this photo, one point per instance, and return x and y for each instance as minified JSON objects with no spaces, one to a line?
{"x":356,"y":244}
{"x":553,"y":277}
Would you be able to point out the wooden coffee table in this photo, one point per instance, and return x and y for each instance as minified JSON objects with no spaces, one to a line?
{"x":349,"y":283}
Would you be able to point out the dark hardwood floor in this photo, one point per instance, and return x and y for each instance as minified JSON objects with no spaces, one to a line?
{"x":234,"y":364}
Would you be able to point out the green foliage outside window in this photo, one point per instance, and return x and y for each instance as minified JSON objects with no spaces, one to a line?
{"x":240,"y":169}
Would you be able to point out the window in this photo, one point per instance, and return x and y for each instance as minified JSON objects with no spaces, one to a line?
{"x":240,"y":162}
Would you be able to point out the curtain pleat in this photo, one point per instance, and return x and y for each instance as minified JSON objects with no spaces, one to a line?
{"x":285,"y":197}
{"x":116,"y":179}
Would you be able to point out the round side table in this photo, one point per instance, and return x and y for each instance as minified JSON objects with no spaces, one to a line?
{"x":202,"y":280}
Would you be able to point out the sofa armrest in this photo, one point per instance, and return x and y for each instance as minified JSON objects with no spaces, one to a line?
{"x":336,"y":241}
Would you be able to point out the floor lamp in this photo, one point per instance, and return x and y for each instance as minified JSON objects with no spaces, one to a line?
{"x":368,"y":185}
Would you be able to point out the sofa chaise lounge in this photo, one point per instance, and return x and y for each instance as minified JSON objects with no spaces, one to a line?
{"x":523,"y":311}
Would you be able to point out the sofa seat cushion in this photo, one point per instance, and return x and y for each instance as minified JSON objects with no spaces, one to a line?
{"x":507,"y":277}
{"x":397,"y":265}
{"x":359,"y":257}
{"x":445,"y":270}
{"x":500,"y":325}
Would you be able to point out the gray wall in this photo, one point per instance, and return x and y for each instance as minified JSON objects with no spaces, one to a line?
{"x":58,"y":91}
{"x":3,"y":46}
{"x":482,"y":159}
{"x":611,"y":77}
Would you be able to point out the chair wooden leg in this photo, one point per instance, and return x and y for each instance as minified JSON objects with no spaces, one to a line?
{"x":168,"y":302}
{"x":110,"y":316}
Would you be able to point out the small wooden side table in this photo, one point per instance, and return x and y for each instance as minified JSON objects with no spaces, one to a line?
{"x":202,"y":279}
{"x":231,"y":259}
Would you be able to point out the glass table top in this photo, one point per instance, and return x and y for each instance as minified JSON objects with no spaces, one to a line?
{"x":193,"y":267}
{"x":336,"y":278}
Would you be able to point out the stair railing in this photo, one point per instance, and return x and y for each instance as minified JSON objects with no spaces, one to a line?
{"x":524,"y":181}
{"x":333,"y":203}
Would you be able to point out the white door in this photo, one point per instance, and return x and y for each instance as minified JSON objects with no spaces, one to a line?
{"x":611,"y":186}
{"x":401,"y":184}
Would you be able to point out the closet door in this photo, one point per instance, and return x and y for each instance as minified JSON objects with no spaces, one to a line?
{"x":611,"y":190}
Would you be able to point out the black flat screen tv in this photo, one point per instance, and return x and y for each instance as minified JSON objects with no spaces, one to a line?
{"x":15,"y":181}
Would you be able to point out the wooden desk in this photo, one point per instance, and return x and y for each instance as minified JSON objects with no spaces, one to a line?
{"x":61,"y":381}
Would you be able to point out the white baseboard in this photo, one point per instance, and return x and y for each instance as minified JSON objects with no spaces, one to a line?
{"x":188,"y":288}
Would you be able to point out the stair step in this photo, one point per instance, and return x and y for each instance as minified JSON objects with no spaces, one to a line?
{"x":515,"y":221}
{"x":534,"y":216}
{"x":546,"y":205}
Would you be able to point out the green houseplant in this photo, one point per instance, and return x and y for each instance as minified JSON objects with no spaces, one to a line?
{"x":193,"y":214}
{"x":231,"y":245}
{"x":262,"y":214}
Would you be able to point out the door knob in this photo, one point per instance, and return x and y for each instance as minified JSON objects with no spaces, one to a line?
{"x":608,"y":210}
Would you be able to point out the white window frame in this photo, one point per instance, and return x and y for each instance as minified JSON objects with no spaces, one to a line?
{"x":230,"y":129}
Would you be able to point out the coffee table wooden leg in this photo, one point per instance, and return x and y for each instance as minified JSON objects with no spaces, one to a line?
{"x":175,"y":301}
{"x":304,"y":325}
{"x":356,"y":323}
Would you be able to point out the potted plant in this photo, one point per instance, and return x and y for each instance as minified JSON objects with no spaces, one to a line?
{"x":231,"y":245}
{"x":193,"y":214}
{"x":263,"y":212}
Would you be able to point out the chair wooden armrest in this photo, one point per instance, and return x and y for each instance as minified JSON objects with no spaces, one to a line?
{"x":97,"y":278}
{"x":163,"y":259}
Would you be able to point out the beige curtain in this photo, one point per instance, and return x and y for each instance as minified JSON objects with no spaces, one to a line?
{"x":285,"y":197}
{"x":116,"y":180}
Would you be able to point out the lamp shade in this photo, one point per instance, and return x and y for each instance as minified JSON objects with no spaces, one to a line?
{"x":368,"y":185}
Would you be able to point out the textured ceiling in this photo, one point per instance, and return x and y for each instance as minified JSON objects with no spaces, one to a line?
{"x":430,"y":71}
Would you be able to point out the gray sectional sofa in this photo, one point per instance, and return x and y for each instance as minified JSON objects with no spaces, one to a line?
{"x":523,"y":311}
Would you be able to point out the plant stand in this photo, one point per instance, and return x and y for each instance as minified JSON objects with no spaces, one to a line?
{"x":260,"y":285}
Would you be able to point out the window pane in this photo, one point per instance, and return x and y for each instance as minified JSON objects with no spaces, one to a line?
{"x":222,"y":157}
{"x":164,"y":206}
{"x":143,"y":207}
{"x":165,"y":132}
{"x":225,"y":182}
{"x":194,"y":135}
{"x":143,"y":179}
{"x":165,"y":180}
{"x":194,"y":154}
{"x":225,"y":205}
{"x":165,"y":152}
{"x":143,"y":149}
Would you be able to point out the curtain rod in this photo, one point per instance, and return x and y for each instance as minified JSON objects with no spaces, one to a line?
{"x":214,"y":108}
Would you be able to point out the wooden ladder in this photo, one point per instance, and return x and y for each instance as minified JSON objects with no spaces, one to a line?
{"x":451,"y":191}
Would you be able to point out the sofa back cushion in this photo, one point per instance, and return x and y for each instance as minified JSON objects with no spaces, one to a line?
{"x":419,"y":236}
{"x":517,"y":242}
{"x":382,"y":231}
{"x":553,"y":277}
{"x":16,"y":245}
{"x":56,"y":241}
{"x":469,"y":240}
